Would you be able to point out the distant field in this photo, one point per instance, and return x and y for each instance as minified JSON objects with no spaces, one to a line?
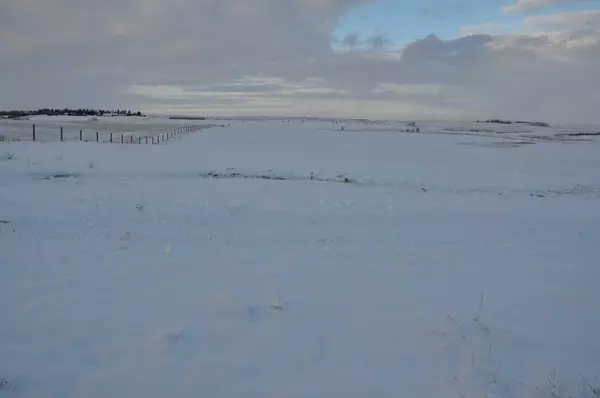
{"x":48,"y":128}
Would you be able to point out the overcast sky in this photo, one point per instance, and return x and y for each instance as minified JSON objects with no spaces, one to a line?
{"x":393,"y":59}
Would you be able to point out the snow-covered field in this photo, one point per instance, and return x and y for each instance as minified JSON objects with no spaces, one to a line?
{"x":292,"y":259}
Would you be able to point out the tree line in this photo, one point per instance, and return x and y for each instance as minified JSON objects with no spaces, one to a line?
{"x":70,"y":112}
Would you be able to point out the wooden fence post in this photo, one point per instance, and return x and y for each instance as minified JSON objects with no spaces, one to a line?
{"x":146,"y":140}
{"x":80,"y":135}
{"x":97,"y":137}
{"x":139,"y":140}
{"x":111,"y":135}
{"x":61,"y":134}
{"x":34,"y":132}
{"x":121,"y":138}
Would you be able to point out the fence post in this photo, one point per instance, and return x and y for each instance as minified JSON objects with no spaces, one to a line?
{"x":111,"y":134}
{"x":97,"y":138}
{"x":80,"y":135}
{"x":146,"y":140}
{"x":34,"y":132}
{"x":61,"y":134}
{"x":131,"y":139}
{"x":121,"y":138}
{"x":139,"y":140}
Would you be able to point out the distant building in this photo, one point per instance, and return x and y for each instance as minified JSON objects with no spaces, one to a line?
{"x":539,"y":124}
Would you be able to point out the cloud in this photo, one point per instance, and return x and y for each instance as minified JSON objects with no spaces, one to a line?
{"x":350,"y":40}
{"x":270,"y":57}
{"x":379,"y":42}
{"x":485,"y":28}
{"x":568,"y":21}
{"x":532,"y":5}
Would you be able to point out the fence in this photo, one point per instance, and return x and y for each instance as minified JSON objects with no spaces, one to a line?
{"x":48,"y":134}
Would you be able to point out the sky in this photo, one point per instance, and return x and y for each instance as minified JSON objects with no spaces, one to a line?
{"x":380,"y":59}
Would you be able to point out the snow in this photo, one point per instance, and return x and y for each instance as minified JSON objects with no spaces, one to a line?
{"x":214,"y":265}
